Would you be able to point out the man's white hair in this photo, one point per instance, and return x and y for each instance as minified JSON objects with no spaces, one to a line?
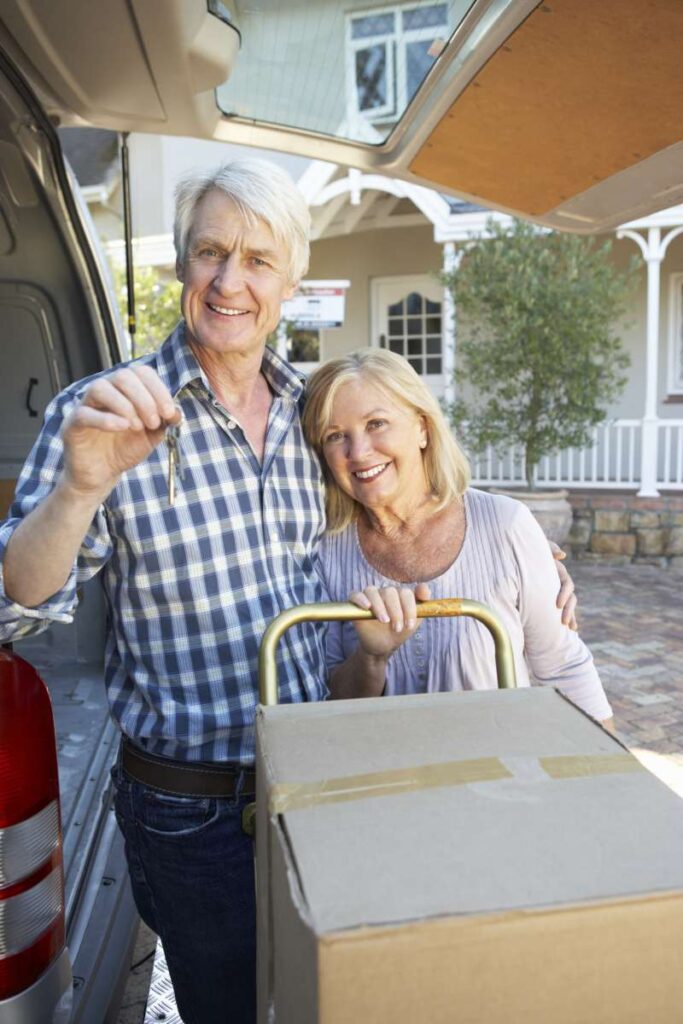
{"x":261,"y":191}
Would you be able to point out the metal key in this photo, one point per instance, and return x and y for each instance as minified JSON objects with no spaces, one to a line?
{"x":175,"y":465}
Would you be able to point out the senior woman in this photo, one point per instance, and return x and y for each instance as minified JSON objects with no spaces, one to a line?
{"x":403,"y":524}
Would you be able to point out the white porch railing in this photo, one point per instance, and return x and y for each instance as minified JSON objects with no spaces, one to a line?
{"x":611,"y":461}
{"x":670,"y":448}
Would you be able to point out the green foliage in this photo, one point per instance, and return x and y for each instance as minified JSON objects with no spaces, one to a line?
{"x":536,"y":339}
{"x":157,"y":307}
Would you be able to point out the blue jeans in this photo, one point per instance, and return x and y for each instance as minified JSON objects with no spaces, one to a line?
{"x":192,"y":872}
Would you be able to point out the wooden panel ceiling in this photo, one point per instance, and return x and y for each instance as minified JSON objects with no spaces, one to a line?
{"x":582,"y":90}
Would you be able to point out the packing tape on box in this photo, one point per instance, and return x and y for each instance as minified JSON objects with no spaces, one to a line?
{"x":291,"y":796}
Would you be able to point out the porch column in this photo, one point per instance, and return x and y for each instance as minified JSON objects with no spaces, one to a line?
{"x":649,"y":454}
{"x":451,"y":259}
{"x":651,"y":250}
{"x":654,"y":251}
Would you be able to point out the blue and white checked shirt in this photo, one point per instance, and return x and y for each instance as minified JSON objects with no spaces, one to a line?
{"x":191,"y":588}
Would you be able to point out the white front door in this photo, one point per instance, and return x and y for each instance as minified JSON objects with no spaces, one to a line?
{"x":407,"y":318}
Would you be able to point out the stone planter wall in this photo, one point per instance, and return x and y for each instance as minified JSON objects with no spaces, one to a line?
{"x":623,"y":529}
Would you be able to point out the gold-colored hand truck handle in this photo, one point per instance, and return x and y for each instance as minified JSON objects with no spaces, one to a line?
{"x":345,"y":611}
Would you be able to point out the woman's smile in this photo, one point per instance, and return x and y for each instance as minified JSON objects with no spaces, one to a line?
{"x":370,"y":474}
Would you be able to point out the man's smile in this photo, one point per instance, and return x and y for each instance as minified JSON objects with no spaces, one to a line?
{"x":226,"y":310}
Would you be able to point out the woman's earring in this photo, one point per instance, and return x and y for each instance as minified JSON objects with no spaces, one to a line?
{"x":423,"y":444}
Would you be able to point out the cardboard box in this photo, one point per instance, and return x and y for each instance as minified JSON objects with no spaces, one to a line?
{"x":478,"y":858}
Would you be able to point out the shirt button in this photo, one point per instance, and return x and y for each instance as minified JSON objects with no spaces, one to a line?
{"x":231,"y":424}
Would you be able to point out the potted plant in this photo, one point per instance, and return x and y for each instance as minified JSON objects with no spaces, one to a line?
{"x":538,"y":357}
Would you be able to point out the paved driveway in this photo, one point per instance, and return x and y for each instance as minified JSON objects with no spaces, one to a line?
{"x":631,"y":618}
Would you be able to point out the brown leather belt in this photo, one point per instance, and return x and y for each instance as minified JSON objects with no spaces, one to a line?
{"x":186,"y":778}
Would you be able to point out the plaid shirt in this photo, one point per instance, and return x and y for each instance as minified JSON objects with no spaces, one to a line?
{"x":191,"y":588}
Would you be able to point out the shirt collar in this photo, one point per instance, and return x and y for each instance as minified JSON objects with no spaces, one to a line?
{"x":177,"y":367}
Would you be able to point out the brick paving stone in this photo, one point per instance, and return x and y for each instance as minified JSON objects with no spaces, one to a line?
{"x":630,"y":618}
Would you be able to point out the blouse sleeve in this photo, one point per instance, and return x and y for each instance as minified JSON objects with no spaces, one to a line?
{"x":555,"y":654}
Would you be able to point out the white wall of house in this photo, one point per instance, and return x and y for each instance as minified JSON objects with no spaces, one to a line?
{"x":632,"y":332}
{"x":671,"y":327}
{"x":158,"y":162}
{"x":359,"y":258}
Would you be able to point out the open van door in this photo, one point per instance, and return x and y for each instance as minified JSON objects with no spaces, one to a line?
{"x":65,"y":901}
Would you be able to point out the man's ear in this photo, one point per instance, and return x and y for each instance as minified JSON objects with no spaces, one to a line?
{"x":290,"y":290}
{"x":179,"y":271}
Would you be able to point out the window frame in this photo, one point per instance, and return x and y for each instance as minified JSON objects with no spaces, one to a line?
{"x":397,"y":41}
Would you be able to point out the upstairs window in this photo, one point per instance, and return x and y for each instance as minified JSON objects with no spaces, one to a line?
{"x":390,"y":51}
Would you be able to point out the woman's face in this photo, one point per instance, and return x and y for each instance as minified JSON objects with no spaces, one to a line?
{"x":373,"y":447}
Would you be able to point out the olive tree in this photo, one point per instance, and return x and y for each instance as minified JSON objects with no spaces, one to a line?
{"x":538,"y":349}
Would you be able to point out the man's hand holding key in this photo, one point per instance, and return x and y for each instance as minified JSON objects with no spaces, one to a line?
{"x":119,"y":422}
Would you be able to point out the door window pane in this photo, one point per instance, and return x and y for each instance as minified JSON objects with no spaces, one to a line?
{"x":414,"y":334}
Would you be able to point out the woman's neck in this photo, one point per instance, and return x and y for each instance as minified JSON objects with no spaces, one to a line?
{"x":391,"y":521}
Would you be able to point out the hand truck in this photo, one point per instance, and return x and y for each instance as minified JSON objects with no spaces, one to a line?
{"x":345,"y":611}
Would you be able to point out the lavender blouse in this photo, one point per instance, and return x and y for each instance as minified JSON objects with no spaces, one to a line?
{"x":505,"y":562}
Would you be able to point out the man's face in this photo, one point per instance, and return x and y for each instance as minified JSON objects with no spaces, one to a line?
{"x":234,"y":279}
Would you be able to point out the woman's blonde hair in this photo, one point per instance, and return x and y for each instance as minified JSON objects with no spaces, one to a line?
{"x":446,"y":466}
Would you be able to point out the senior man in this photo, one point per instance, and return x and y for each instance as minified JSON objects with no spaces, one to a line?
{"x":190,"y":585}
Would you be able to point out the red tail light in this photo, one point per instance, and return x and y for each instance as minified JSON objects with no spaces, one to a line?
{"x":31,"y":869}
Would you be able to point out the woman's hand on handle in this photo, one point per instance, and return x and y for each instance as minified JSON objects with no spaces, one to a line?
{"x":363,"y":674}
{"x":395,"y":611}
